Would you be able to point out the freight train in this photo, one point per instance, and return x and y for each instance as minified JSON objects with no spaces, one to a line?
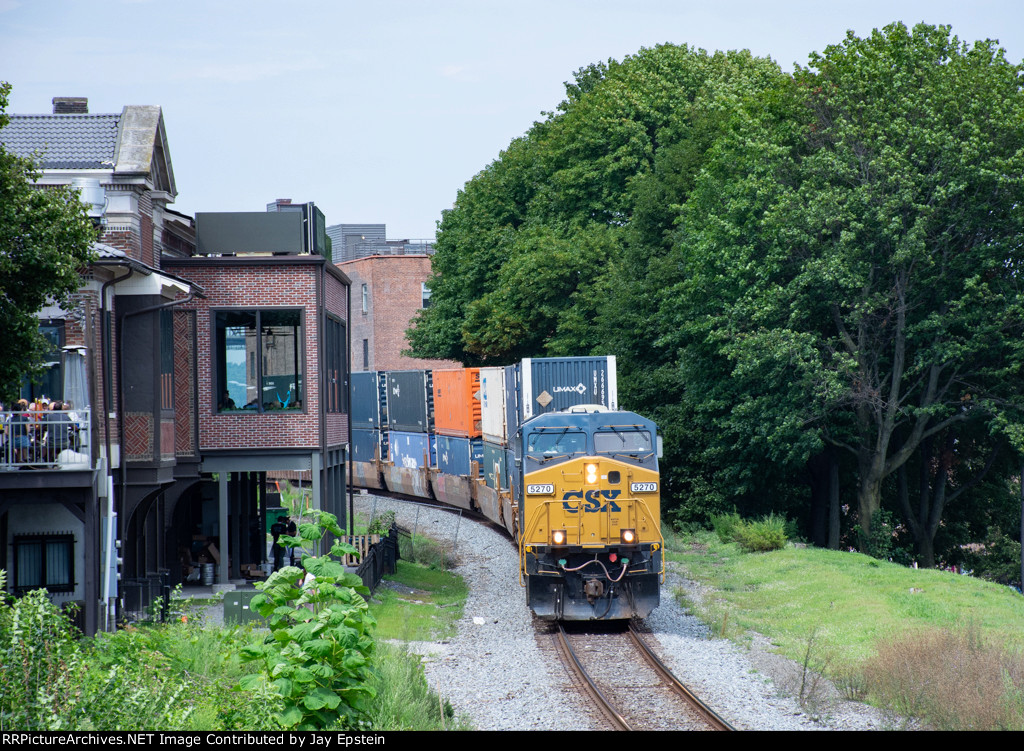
{"x":539,"y":448}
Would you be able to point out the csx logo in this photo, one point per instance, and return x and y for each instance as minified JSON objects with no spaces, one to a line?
{"x":592,"y":500}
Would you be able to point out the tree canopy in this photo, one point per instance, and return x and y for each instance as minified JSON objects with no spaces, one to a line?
{"x":525,"y":255}
{"x":790,"y":267}
{"x":45,"y":241}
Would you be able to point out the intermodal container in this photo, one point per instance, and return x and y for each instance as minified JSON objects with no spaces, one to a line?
{"x":369,"y":445}
{"x":492,"y":405}
{"x":551,"y":384}
{"x":410,"y":401}
{"x":512,"y":399}
{"x":369,"y":399}
{"x":455,"y":455}
{"x":411,"y":450}
{"x":457,"y":402}
{"x":495,"y":467}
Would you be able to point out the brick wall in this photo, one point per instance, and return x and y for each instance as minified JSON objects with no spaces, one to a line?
{"x":184,"y":383}
{"x":395,"y":285}
{"x":255,"y":286}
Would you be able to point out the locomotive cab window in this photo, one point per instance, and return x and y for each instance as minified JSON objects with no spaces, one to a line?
{"x":620,"y":441}
{"x":546,"y":445}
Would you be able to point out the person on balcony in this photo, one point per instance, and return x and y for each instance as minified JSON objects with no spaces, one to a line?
{"x":21,"y":433}
{"x":58,"y":430}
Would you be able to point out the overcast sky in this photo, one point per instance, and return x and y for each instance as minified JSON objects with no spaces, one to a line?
{"x":381,"y":110}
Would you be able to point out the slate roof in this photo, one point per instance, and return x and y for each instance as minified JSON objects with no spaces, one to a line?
{"x":63,"y":141}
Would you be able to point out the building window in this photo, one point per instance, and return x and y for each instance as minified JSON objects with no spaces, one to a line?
{"x":259,"y":360}
{"x":44,"y":561}
{"x":366,"y":354}
{"x":366,"y":300}
{"x":335,"y":366}
{"x":425,"y":294}
{"x":51,"y":384}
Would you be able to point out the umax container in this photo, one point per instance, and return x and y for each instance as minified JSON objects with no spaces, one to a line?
{"x":410,"y":401}
{"x":457,"y":402}
{"x":551,"y":384}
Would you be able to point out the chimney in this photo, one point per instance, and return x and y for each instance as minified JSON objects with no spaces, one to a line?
{"x":70,"y":105}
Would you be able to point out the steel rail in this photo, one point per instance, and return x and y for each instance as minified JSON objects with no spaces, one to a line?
{"x":706,"y":713}
{"x":610,"y":712}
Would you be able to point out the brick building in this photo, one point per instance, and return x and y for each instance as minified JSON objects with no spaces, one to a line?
{"x":387,"y":290}
{"x":169,"y":319}
{"x":133,"y":435}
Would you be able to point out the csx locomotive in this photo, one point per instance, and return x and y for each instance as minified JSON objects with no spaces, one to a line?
{"x":577,"y":487}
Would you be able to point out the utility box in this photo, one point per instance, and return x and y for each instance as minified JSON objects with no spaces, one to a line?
{"x":238,"y":607}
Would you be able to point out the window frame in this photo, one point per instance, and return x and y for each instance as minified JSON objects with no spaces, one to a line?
{"x":219,"y":367}
{"x":335,"y":346}
{"x":44,"y":540}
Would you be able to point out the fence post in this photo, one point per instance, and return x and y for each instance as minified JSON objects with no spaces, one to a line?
{"x":415,"y":527}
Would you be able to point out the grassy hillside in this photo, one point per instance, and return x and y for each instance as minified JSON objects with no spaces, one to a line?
{"x":882,"y":631}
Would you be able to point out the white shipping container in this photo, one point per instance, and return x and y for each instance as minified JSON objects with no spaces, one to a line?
{"x":492,"y":405}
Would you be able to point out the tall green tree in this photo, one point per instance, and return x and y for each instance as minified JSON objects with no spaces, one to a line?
{"x":528,"y":255}
{"x":45,"y":242}
{"x":875,"y":261}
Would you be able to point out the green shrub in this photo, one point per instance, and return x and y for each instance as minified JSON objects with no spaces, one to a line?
{"x":752,"y":535}
{"x":40,"y":662}
{"x":382,"y":523}
{"x":761,"y":535}
{"x":998,"y":560}
{"x":317,"y":657}
{"x":426,"y":552}
{"x":725,"y":526}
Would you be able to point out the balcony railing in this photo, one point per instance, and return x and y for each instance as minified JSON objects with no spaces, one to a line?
{"x":54,"y":440}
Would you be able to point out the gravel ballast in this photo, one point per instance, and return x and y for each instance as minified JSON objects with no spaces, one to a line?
{"x":495,"y":672}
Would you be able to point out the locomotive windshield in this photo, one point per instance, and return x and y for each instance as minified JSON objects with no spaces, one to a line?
{"x":548,"y":444}
{"x":623,"y":441}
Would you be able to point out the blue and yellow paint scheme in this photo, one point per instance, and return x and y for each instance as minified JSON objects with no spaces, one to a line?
{"x":590,"y":543}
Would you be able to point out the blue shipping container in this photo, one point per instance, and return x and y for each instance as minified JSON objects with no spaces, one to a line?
{"x":551,"y":384}
{"x":455,"y":455}
{"x":409,"y":450}
{"x":494,"y":469}
{"x":369,"y":399}
{"x":368,"y":445}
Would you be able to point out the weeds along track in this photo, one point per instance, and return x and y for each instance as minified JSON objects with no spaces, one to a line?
{"x":626,"y":682}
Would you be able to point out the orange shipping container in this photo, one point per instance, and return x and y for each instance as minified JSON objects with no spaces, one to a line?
{"x":457,"y":402}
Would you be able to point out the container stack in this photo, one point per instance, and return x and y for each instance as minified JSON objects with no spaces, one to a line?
{"x":369,"y":414}
{"x":464,"y":421}
{"x":410,"y":399}
{"x":457,"y":421}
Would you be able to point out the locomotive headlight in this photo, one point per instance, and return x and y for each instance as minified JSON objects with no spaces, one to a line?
{"x":591,"y":474}
{"x":558,"y":537}
{"x":629,"y":536}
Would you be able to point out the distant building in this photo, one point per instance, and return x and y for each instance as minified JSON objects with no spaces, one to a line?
{"x":389,"y":285}
{"x":352,"y":241}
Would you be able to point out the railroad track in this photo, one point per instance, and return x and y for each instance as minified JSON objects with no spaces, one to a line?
{"x":629,"y":685}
